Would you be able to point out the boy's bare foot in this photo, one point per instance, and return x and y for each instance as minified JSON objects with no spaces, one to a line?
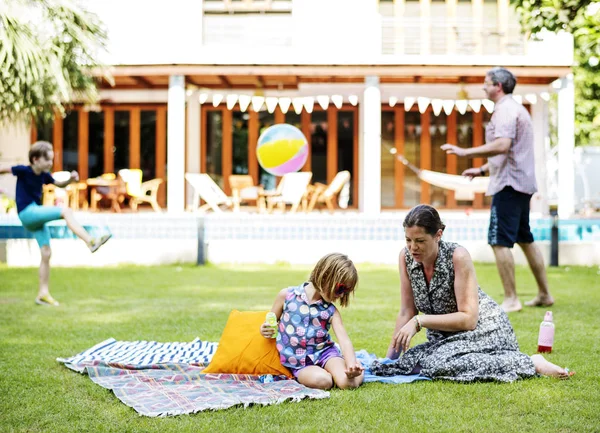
{"x":546,"y":368}
{"x":540,"y":301}
{"x":511,"y":305}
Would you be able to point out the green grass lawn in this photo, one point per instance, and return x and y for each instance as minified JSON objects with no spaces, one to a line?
{"x":180,"y":303}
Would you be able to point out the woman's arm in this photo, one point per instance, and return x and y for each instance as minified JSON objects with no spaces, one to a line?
{"x":467,"y":298}
{"x":353,"y":367}
{"x":266,"y":330}
{"x":407,"y":306}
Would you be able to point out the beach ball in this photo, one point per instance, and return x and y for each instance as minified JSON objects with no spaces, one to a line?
{"x":282,"y":149}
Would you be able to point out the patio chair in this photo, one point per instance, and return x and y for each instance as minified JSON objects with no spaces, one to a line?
{"x":54,"y":195}
{"x":292,"y":190}
{"x":243,"y":190}
{"x":206,"y":189}
{"x":138,"y":191}
{"x":326,"y":194}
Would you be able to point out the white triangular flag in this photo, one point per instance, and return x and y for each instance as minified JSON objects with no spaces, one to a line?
{"x":518,"y":98}
{"x":244,"y":102}
{"x":489,"y":105}
{"x":257,"y":102}
{"x":231,"y":101}
{"x":217,"y":98}
{"x":297,"y":103}
{"x":309,"y":103}
{"x":461,"y":105}
{"x":353,"y":99}
{"x":202,"y":98}
{"x":423,"y":103}
{"x":409,"y":101}
{"x":475,"y":105}
{"x":323,"y":101}
{"x":338,"y":100}
{"x":393,"y":101}
{"x":531,"y":98}
{"x":448,"y":105}
{"x":436,"y":105}
{"x":284,"y":104}
{"x":271,"y":103}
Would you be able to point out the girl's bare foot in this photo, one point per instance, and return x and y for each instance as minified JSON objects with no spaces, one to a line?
{"x":546,"y":368}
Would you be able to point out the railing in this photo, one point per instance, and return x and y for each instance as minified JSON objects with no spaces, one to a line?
{"x":440,"y":36}
{"x":398,"y":36}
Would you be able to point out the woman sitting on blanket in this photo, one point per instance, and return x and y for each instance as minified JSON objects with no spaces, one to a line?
{"x":305,"y":314}
{"x":469,"y":336}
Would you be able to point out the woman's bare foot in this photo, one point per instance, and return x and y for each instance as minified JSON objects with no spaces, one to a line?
{"x":540,"y":301}
{"x":546,"y":368}
{"x":512,"y":305}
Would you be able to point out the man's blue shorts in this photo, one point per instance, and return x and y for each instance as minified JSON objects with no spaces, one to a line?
{"x":509,"y":218}
{"x":34,"y":218}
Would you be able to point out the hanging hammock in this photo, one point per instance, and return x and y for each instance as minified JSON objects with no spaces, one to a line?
{"x":463,"y":187}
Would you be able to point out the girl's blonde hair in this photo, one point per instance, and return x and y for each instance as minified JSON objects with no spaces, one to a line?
{"x":333,"y":275}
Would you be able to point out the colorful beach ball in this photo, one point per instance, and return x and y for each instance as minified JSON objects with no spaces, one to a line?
{"x":282,"y":149}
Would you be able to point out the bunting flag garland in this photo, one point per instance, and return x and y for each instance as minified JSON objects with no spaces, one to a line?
{"x":307,"y":103}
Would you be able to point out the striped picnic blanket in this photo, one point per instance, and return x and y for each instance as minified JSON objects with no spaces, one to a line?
{"x":136,"y":355}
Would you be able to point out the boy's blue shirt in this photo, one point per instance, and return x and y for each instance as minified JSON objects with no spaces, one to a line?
{"x":29,"y":185}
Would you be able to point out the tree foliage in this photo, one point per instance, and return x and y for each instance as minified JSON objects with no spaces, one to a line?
{"x":47,"y":48}
{"x":581,"y":18}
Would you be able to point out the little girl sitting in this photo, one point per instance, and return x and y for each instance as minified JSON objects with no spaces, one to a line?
{"x":305,"y":314}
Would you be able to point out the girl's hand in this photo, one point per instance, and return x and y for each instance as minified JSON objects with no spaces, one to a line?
{"x":402,"y":338}
{"x":267,"y":330}
{"x":354,"y":370}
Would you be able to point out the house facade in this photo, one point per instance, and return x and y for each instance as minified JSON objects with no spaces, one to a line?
{"x":193,"y":83}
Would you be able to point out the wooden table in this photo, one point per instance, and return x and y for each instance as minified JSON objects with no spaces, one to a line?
{"x":115,"y":194}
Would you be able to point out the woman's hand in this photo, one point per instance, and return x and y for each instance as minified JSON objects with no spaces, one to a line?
{"x":74,"y":176}
{"x":402,"y":338}
{"x":355,"y":370}
{"x":267,"y":330}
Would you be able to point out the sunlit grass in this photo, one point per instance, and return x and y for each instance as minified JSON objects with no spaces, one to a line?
{"x":179,"y":303}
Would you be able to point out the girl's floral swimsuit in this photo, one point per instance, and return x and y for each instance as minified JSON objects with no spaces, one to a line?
{"x":303,"y":338}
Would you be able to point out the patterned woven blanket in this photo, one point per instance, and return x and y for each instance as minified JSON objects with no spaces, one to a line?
{"x":176,"y":389}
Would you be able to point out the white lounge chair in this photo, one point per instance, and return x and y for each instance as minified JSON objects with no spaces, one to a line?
{"x":206,"y":189}
{"x":292,"y":190}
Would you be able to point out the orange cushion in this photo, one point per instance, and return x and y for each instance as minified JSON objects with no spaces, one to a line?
{"x":242,"y":350}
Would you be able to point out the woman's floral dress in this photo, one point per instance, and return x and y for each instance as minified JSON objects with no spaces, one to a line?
{"x":489,"y":352}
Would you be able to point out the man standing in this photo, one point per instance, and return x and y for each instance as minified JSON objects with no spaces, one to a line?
{"x":509,"y":149}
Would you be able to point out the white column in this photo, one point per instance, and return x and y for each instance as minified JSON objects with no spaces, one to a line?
{"x":193,"y":141}
{"x":369,"y":148}
{"x":425,"y":6}
{"x":566,"y":146}
{"x":539,"y":115}
{"x":14,"y":149}
{"x":503,"y":11}
{"x":176,"y":143}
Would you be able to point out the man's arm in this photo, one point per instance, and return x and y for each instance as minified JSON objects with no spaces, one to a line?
{"x":5,"y":170}
{"x":496,"y":147}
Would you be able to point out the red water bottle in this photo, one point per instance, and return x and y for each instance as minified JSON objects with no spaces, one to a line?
{"x":546,"y":338}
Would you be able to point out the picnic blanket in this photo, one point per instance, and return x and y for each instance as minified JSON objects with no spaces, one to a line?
{"x":162,"y":379}
{"x":176,"y":389}
{"x":366,"y":359}
{"x":138,"y":355}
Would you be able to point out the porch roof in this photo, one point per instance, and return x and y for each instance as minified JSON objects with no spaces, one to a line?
{"x":287,"y":76}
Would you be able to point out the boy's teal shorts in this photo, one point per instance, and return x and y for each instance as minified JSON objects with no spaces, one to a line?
{"x":34,"y":218}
